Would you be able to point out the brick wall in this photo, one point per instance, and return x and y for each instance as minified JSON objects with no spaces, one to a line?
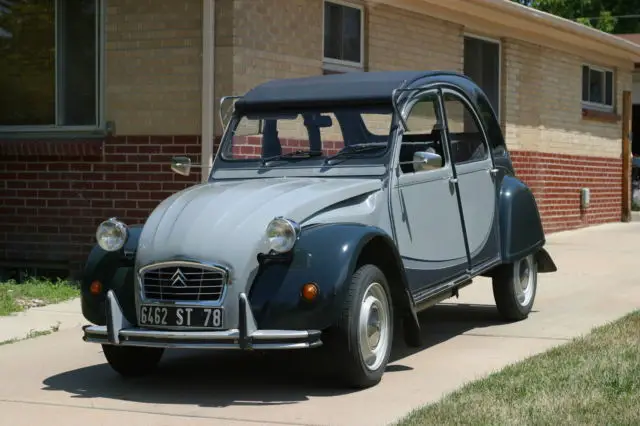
{"x":398,"y":39}
{"x":555,"y":149}
{"x":154,"y":66}
{"x":54,"y":194}
{"x":556,"y":180}
{"x":543,"y":109}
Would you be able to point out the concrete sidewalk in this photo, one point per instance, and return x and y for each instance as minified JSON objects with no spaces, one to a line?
{"x":60,"y":316}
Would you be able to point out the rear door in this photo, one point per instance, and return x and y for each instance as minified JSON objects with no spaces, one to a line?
{"x":474,"y":178}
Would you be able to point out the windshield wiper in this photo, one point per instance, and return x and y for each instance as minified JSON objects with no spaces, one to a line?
{"x":355,"y":149}
{"x":296,"y":154}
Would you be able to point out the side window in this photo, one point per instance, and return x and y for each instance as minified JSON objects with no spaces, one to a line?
{"x":424,"y":135}
{"x":465,"y":134}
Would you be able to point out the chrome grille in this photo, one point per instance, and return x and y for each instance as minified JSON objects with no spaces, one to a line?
{"x":183,"y":283}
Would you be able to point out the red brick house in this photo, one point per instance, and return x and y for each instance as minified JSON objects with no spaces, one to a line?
{"x":97,"y":95}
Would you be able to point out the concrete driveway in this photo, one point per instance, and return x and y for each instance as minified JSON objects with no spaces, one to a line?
{"x":58,"y":379}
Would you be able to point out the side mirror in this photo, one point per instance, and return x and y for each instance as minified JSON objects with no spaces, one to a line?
{"x":181,"y":165}
{"x":423,"y":161}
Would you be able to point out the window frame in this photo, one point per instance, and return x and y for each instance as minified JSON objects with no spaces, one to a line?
{"x":596,"y":105}
{"x":56,"y":128}
{"x":340,"y":65}
{"x":477,"y":121}
{"x":406,"y":111}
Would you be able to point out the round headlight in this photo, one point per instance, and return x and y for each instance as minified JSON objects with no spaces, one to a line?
{"x":111,"y":234}
{"x":282,"y":234}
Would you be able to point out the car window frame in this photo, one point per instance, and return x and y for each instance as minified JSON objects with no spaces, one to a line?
{"x":460,"y":95}
{"x":418,"y":97}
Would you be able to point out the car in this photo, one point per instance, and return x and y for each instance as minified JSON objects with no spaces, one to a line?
{"x":337,"y":207}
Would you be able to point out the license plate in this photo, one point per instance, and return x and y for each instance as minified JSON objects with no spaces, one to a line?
{"x":178,"y":316}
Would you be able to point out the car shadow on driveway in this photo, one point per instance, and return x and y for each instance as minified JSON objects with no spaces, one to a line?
{"x":224,"y":378}
{"x":443,"y":322}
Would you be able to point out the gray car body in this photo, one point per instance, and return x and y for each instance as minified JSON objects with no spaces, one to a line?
{"x":224,"y":222}
{"x":439,"y":228}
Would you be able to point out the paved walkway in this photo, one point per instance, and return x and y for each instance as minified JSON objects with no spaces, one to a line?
{"x":60,"y":380}
{"x":61,"y":316}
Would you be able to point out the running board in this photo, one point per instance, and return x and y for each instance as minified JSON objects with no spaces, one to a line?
{"x":432,"y":296}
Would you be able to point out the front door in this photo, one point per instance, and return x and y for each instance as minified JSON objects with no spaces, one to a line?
{"x":426,"y":214}
{"x":475,"y":179}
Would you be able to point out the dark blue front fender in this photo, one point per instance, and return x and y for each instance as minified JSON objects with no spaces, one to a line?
{"x":327,"y":255}
{"x":115,"y":270}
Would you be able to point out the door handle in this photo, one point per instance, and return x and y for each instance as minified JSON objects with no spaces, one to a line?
{"x":494,"y":172}
{"x":453,"y":180}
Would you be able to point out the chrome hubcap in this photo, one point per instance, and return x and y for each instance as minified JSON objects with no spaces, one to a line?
{"x":524,"y":280}
{"x":374,"y":326}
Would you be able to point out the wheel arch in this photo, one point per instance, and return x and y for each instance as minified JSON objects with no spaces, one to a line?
{"x":521,"y":231}
{"x":379,"y":250}
{"x":274,"y":294}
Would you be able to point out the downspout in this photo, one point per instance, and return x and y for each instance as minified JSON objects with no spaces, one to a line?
{"x":208,"y":85}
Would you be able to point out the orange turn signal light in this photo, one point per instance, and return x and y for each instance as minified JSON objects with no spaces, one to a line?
{"x":96,"y":287}
{"x":310,"y":291}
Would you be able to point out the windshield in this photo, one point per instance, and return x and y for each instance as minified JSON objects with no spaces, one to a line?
{"x":309,"y":135}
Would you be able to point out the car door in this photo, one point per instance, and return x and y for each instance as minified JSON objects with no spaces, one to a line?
{"x":425,"y":210}
{"x":475,"y":178}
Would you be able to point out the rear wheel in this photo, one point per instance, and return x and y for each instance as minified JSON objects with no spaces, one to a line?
{"x":131,"y":361}
{"x":514,"y":288}
{"x":361,"y":343}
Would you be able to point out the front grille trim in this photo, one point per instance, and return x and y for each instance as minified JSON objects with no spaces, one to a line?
{"x":205,"y":283}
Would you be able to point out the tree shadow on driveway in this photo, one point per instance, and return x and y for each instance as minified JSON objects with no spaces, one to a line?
{"x":224,"y":378}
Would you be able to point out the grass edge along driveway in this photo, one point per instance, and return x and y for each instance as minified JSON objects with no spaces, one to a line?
{"x":16,"y":297}
{"x":592,"y":380}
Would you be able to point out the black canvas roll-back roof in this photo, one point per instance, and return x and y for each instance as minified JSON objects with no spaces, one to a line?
{"x":361,"y":88}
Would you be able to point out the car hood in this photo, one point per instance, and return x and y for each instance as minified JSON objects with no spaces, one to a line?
{"x":225,"y":222}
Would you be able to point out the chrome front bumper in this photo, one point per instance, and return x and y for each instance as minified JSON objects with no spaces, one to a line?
{"x":119,"y":331}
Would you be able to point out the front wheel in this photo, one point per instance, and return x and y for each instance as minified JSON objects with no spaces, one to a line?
{"x":131,"y":361}
{"x":361,"y":343}
{"x":514,"y":288}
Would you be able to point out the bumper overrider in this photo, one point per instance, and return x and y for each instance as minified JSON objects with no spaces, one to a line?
{"x":119,"y":331}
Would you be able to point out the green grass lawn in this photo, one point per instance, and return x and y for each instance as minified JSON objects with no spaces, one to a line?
{"x":593,"y":380}
{"x":34,"y":292}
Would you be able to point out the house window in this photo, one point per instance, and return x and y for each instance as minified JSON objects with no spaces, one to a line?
{"x":49,"y":64}
{"x":343,"y":34}
{"x":482,"y":64}
{"x":597,"y":87}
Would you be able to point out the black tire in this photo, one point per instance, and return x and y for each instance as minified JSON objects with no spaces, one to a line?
{"x":130,"y":361}
{"x":342,"y":343}
{"x":512,"y":304}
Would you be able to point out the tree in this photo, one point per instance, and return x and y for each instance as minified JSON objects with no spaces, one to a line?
{"x":611,"y":16}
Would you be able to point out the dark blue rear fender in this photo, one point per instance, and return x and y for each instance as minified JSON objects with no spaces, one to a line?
{"x":115,"y":271}
{"x":327,"y":255}
{"x":521,"y":231}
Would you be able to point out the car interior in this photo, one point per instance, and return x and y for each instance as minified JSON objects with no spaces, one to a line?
{"x":412,"y":143}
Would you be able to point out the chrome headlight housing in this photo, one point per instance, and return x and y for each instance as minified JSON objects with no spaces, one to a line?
{"x":112,"y":234}
{"x":282,"y":234}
